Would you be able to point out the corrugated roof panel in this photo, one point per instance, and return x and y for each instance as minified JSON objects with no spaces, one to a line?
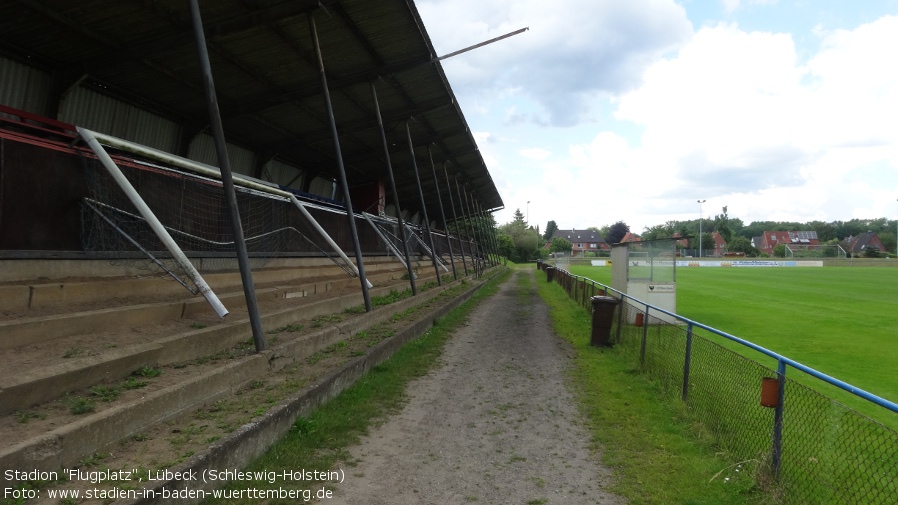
{"x":23,"y":87}
{"x":264,"y":67}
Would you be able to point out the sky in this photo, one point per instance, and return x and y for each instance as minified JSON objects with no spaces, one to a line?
{"x":636,"y":110}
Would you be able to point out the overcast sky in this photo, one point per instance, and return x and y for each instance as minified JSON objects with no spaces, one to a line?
{"x":613,"y":110}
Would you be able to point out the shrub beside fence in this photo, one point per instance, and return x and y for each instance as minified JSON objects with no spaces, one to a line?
{"x":807,"y":448}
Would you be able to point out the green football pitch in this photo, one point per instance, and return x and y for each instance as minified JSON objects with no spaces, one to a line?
{"x":842,"y":321}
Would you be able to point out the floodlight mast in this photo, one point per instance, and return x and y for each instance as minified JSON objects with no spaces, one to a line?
{"x":700,"y":202}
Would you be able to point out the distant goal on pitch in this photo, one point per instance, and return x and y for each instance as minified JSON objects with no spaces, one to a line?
{"x":815,"y":251}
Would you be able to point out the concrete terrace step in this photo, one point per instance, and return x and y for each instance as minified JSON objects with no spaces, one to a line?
{"x":115,"y":355}
{"x":22,"y":388}
{"x":46,"y":296}
{"x":29,"y":330}
{"x":64,"y":446}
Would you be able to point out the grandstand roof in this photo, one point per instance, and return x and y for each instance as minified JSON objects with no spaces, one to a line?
{"x":267,"y":79}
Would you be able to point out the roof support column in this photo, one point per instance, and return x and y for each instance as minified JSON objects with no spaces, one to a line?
{"x":478,"y":265}
{"x":350,"y":215}
{"x":433,"y":251}
{"x":436,"y":186}
{"x":227,"y":180}
{"x":484,"y":241}
{"x":383,"y":137}
{"x":490,"y":236}
{"x":461,"y":242}
{"x":470,"y":236}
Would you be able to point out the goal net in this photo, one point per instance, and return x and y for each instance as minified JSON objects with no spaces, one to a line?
{"x":815,"y":251}
{"x":192,"y":209}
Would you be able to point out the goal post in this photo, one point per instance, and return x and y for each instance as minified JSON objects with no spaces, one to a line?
{"x":212,"y":172}
{"x":154,"y":223}
{"x":799,"y":251}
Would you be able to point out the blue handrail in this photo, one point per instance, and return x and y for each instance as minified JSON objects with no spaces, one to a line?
{"x":882,"y":402}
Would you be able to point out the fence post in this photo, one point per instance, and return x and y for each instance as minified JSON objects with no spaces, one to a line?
{"x":620,"y":315}
{"x":645,"y":336}
{"x":777,"y":450}
{"x":688,"y":362}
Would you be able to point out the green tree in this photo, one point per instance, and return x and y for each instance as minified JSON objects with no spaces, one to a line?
{"x":722,"y":225}
{"x":616,"y":232}
{"x":743,"y":245}
{"x":872,"y":252}
{"x":779,"y":251}
{"x":560,"y":244}
{"x":506,"y":245}
{"x":551,"y":226}
{"x":525,"y":239}
{"x":888,"y":240}
{"x":659,"y":231}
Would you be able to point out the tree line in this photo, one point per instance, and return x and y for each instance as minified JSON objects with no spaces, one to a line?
{"x":519,"y":241}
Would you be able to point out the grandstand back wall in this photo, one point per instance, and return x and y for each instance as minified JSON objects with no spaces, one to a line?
{"x":39,"y":193}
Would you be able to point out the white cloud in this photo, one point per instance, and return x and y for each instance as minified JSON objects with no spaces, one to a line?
{"x":738,"y":114}
{"x":573,"y":50}
{"x":740,"y":118}
{"x":536,"y":153}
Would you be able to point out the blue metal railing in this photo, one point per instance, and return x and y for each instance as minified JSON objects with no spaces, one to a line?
{"x":579,"y":287}
{"x":767,"y":352}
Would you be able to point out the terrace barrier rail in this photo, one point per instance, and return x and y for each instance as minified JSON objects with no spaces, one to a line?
{"x":803,"y":446}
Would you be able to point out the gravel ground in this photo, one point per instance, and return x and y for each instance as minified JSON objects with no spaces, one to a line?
{"x":494,"y":423}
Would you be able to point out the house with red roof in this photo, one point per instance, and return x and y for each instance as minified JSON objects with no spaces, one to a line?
{"x":770,"y":239}
{"x":720,"y":245}
{"x":859,"y":245}
{"x":583,"y":241}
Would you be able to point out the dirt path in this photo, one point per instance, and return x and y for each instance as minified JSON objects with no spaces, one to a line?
{"x":494,"y":424}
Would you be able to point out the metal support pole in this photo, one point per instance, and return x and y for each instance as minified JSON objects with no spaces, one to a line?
{"x":227,"y":180}
{"x":687,"y":364}
{"x":468,"y":236}
{"x":477,"y":228}
{"x":433,"y":252}
{"x":481,"y":218}
{"x":436,"y":186}
{"x":350,"y":215}
{"x":481,"y":237}
{"x":490,"y":236}
{"x":777,"y":452}
{"x":327,"y":238}
{"x":475,"y":240}
{"x":383,"y":237}
{"x":645,"y":337}
{"x":620,"y":316}
{"x":487,"y":235}
{"x":461,"y":243}
{"x":402,"y":234}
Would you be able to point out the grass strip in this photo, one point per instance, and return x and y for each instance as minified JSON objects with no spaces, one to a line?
{"x":321,"y":440}
{"x":659,"y":454}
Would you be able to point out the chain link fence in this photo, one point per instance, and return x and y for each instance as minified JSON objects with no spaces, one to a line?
{"x":803,"y":447}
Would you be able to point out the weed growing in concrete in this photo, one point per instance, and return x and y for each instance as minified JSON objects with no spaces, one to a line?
{"x":93,"y":460}
{"x":149,"y":372}
{"x":23,"y":416}
{"x":73,"y":352}
{"x":106,"y":393}
{"x":80,"y":405}
{"x":133,"y":383}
